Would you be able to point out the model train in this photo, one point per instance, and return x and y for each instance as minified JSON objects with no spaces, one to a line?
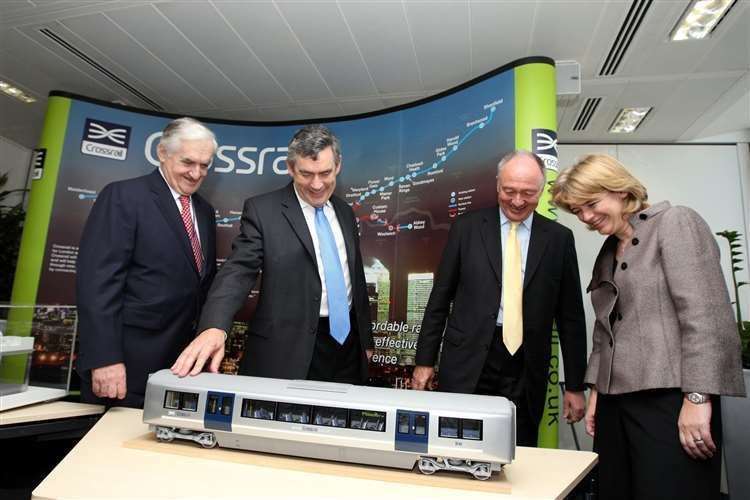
{"x":367,"y":425}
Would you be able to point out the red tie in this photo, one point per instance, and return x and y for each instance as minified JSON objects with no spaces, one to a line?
{"x":187,"y":220}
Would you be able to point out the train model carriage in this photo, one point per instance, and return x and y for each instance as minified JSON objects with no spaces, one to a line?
{"x":341,"y":422}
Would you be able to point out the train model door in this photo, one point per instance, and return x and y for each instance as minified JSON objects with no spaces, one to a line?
{"x":412,"y":430}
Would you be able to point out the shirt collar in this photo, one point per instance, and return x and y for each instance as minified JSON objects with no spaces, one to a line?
{"x":304,"y":204}
{"x":525,"y":223}
{"x":175,"y":194}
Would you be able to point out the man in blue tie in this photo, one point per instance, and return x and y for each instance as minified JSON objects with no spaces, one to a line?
{"x":312,"y":320}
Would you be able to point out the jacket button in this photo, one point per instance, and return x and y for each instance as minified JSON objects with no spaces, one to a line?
{"x":313,"y":330}
{"x":643,"y":216}
{"x":611,"y":343}
{"x":624,"y":266}
{"x":635,"y":241}
{"x":619,"y":317}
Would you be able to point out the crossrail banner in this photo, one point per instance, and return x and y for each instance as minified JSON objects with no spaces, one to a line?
{"x":408,"y":172}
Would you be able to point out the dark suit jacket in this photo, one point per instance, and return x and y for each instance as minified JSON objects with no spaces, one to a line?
{"x":275,"y":239}
{"x":139,"y":293}
{"x":470,"y":277}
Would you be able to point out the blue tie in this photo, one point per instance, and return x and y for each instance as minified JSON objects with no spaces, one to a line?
{"x":338,"y":305}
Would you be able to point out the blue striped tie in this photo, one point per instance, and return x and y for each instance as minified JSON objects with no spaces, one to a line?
{"x":338,"y":305}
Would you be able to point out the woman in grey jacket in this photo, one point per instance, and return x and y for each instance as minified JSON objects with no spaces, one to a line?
{"x":665,"y":344}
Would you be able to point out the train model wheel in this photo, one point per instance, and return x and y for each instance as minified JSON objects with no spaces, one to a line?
{"x":426,"y":466}
{"x":207,"y":440}
{"x":482,"y":472}
{"x":164,"y":435}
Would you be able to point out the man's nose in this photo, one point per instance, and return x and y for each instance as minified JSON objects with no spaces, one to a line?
{"x":194,"y":172}
{"x":317,"y":183}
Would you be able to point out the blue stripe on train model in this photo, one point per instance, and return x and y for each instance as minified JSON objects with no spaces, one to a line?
{"x":218,"y":415}
{"x":412,"y":429}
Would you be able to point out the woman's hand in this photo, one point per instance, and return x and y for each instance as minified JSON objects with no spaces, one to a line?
{"x":591,"y":413}
{"x":695,"y":429}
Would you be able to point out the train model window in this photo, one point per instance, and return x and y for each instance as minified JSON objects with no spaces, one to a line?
{"x":212,"y":405}
{"x":448,"y":427}
{"x":172,"y":400}
{"x":420,"y":425}
{"x":403,"y":423}
{"x":328,"y":416}
{"x":226,"y":405}
{"x":189,"y":401}
{"x":255,"y":408}
{"x":290,"y":412}
{"x":471,"y":429}
{"x":367,"y":420}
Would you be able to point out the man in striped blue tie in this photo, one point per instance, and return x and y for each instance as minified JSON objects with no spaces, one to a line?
{"x":312,"y":319}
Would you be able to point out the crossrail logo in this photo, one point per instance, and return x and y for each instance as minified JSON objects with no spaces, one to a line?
{"x":37,"y":163}
{"x":544,"y":145}
{"x":106,"y":140}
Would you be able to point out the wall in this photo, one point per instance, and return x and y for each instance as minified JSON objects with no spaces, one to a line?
{"x":14,"y":159}
{"x":712,"y":179}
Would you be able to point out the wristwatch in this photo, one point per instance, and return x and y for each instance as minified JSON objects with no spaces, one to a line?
{"x":697,"y":398}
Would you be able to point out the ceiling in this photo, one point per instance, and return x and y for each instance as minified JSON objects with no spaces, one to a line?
{"x":282,"y":60}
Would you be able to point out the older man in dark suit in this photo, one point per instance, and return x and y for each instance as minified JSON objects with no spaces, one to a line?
{"x":312,"y":320}
{"x":508,"y":273}
{"x":146,"y":260}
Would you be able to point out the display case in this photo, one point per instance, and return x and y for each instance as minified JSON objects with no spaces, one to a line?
{"x":38,"y":346}
{"x":14,"y":351}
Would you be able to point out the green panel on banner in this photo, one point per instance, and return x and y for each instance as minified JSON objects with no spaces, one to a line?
{"x":34,"y":238}
{"x":536,"y":122}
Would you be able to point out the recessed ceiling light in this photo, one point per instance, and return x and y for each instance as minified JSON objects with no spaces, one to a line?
{"x":628,"y":120}
{"x":700,"y":19}
{"x":19,"y":94}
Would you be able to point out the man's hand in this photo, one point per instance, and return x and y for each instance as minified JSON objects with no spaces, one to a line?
{"x":109,"y":381}
{"x":208,"y":345}
{"x":591,"y":414}
{"x":694,"y":425}
{"x":574,"y":405}
{"x":369,"y":353}
{"x":421,"y":378}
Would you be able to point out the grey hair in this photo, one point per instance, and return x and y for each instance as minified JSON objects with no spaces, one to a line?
{"x":185,"y":129}
{"x":309,"y":141}
{"x":522,"y":153}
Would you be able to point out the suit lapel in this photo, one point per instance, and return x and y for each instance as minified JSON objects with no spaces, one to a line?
{"x":292,"y":210}
{"x":203,"y":217}
{"x":168,"y":208}
{"x":603,"y":272}
{"x":490,"y":232}
{"x":346,"y":230}
{"x":537,"y":244}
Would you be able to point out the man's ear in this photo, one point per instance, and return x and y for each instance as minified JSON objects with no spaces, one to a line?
{"x":161,"y":153}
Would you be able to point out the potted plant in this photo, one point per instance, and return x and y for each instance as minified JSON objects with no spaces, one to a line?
{"x":11,"y":226}
{"x":743,"y":327}
{"x":734,"y":411}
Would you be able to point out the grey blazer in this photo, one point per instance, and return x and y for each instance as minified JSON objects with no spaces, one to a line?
{"x":663,"y":314}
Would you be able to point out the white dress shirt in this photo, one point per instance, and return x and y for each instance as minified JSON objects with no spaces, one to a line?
{"x":309,"y":213}
{"x":176,"y":197}
{"x":523,"y":233}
